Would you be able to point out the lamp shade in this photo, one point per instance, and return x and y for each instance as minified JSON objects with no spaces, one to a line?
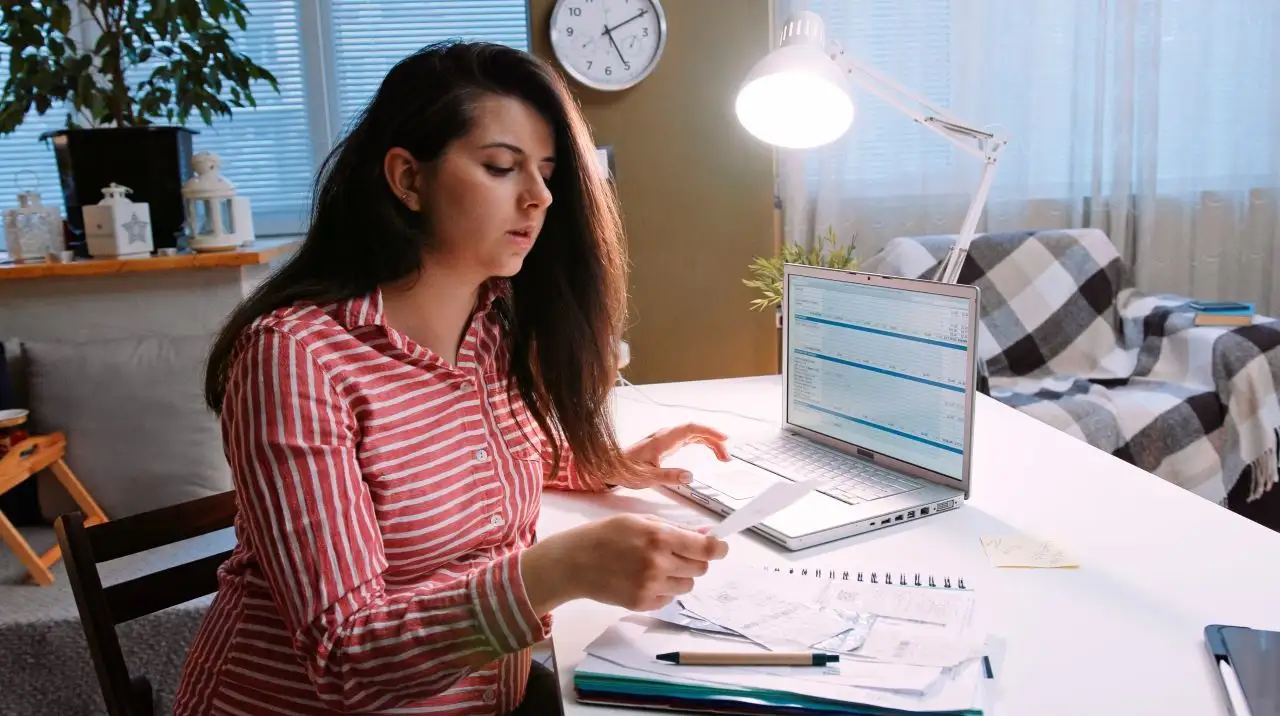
{"x":796,"y":97}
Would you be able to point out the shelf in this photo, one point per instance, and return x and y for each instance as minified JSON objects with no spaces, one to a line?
{"x":261,"y":252}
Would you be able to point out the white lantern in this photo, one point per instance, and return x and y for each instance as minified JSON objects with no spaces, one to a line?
{"x":32,"y":231}
{"x":117,"y":227}
{"x":217,"y":219}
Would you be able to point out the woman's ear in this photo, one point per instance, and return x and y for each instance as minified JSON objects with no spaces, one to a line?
{"x":404,"y":177}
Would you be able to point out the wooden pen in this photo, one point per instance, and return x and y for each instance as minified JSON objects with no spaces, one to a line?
{"x":772,"y":658}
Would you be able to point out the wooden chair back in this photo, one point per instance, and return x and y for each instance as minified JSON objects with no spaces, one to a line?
{"x":101,"y":608}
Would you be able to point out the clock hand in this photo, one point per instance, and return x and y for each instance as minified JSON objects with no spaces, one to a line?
{"x":625,"y":64}
{"x":636,"y":16}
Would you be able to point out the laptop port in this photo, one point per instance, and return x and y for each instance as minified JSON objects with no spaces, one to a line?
{"x":924,"y":511}
{"x":885,"y":521}
{"x":898,"y":518}
{"x":911,"y":515}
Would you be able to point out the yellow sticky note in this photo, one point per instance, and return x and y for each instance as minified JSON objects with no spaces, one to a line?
{"x":1019,"y":551}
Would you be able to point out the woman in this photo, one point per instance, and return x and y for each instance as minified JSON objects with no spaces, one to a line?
{"x":393,"y":400}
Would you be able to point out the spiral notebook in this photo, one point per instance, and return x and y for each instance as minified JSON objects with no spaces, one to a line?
{"x":920,"y":597}
{"x":916,"y":579}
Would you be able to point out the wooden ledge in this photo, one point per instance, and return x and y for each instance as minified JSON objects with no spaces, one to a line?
{"x":263,"y":251}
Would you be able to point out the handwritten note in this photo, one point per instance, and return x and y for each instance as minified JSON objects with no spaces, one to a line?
{"x":1019,"y":551}
{"x":777,"y":496}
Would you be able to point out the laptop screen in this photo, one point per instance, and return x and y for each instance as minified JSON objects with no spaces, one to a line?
{"x":880,"y":368}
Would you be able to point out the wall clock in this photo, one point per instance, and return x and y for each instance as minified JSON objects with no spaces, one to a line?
{"x":608,"y":45}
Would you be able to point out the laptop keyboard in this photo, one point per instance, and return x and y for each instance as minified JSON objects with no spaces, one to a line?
{"x":847,"y":479}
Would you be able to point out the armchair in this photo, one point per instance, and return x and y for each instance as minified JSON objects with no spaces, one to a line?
{"x":1066,"y":337}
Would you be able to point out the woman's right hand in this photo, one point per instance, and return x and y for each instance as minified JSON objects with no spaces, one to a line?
{"x":632,"y":561}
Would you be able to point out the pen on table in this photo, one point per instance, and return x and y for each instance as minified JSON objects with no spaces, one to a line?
{"x":1235,"y":693}
{"x":773,"y":658}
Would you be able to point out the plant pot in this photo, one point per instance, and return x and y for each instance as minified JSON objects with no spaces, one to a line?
{"x":152,"y":161}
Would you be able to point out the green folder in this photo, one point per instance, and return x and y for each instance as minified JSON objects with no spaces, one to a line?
{"x":618,"y":690}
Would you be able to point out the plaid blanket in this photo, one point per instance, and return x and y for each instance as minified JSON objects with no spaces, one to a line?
{"x":1066,"y":338}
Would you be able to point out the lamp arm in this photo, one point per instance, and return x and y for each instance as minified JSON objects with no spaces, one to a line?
{"x":974,"y":141}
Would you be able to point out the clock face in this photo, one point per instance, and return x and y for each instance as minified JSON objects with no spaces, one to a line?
{"x":608,"y":44}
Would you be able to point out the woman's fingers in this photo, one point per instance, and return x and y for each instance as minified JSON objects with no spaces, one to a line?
{"x":679,"y":436}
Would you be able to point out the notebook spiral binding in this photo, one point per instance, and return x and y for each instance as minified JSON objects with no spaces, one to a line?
{"x":919,"y":580}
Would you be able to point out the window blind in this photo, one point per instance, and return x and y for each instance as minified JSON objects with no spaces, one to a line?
{"x":22,"y":153}
{"x":370,"y":36}
{"x":912,"y":43}
{"x":266,"y":151}
{"x":270,"y":152}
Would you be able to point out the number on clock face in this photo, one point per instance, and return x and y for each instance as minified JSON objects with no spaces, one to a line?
{"x":608,"y":44}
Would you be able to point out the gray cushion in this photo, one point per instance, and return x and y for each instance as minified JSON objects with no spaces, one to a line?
{"x":138,"y":434}
{"x":16,"y":365}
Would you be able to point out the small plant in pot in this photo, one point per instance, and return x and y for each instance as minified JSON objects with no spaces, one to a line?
{"x":153,"y":66}
{"x":767,"y":271}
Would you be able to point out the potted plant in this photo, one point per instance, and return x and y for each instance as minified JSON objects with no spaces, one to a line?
{"x":151,"y":68}
{"x":767,"y":272}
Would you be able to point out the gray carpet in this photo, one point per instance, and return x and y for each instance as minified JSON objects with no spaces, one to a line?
{"x":45,"y":666}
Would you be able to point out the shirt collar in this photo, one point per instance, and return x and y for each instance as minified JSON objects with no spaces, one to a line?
{"x":367,"y":310}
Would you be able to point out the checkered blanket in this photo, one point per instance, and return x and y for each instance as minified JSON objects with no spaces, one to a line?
{"x":1067,"y":338}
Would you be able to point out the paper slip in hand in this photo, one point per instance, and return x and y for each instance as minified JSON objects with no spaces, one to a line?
{"x":1018,"y":551}
{"x":775,"y":497}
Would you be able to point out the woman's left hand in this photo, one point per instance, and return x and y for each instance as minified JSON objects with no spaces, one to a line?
{"x":650,"y":452}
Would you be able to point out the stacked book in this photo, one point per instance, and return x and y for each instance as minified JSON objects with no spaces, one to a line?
{"x":1222,"y":313}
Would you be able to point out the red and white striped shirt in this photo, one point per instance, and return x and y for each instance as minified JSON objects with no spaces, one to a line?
{"x":385,"y":498}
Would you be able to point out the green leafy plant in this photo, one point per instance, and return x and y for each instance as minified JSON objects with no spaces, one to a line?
{"x":194,"y":67}
{"x":767,"y":272}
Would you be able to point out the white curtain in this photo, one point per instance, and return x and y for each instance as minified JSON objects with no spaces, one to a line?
{"x":1157,"y":121}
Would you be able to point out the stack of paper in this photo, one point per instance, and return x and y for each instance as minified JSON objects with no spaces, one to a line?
{"x":902,"y":648}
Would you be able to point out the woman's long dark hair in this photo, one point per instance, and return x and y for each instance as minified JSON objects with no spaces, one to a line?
{"x":567,"y":302}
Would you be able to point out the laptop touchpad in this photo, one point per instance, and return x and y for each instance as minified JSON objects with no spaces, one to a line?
{"x":738,"y":484}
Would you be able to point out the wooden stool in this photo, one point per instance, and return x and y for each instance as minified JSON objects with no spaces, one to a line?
{"x":23,"y":460}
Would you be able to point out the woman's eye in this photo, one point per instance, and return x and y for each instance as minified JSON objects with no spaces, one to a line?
{"x":499,"y":171}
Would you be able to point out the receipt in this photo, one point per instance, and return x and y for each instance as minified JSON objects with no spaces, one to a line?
{"x":772,"y":500}
{"x":776,"y":620}
{"x":917,"y":645}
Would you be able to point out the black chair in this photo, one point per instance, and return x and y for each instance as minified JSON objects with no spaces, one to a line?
{"x":102,"y":608}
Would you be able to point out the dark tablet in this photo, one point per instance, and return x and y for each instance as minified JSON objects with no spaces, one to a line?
{"x":1248,"y":667}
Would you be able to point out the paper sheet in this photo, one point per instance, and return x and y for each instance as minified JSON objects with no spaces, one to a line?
{"x":851,"y":639}
{"x":674,"y":614}
{"x":1020,"y":551}
{"x":950,"y":608}
{"x":772,"y":500}
{"x":778,"y":621}
{"x":917,"y":645}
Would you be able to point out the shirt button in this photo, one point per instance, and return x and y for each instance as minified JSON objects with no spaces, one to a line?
{"x":482,"y":454}
{"x":490,"y":696}
{"x":495,"y":520}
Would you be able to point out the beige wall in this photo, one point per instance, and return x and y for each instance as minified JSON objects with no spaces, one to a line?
{"x":696,"y":193}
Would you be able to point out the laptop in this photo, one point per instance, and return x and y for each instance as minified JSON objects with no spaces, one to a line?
{"x":878,"y":377}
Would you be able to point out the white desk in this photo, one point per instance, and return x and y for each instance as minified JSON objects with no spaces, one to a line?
{"x":1120,"y":635}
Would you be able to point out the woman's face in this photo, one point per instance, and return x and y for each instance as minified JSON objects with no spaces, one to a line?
{"x":486,"y":196}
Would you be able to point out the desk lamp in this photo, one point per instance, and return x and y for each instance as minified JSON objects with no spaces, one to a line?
{"x":797,"y":98}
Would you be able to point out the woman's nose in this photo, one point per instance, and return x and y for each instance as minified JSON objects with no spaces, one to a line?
{"x":538,"y":195}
